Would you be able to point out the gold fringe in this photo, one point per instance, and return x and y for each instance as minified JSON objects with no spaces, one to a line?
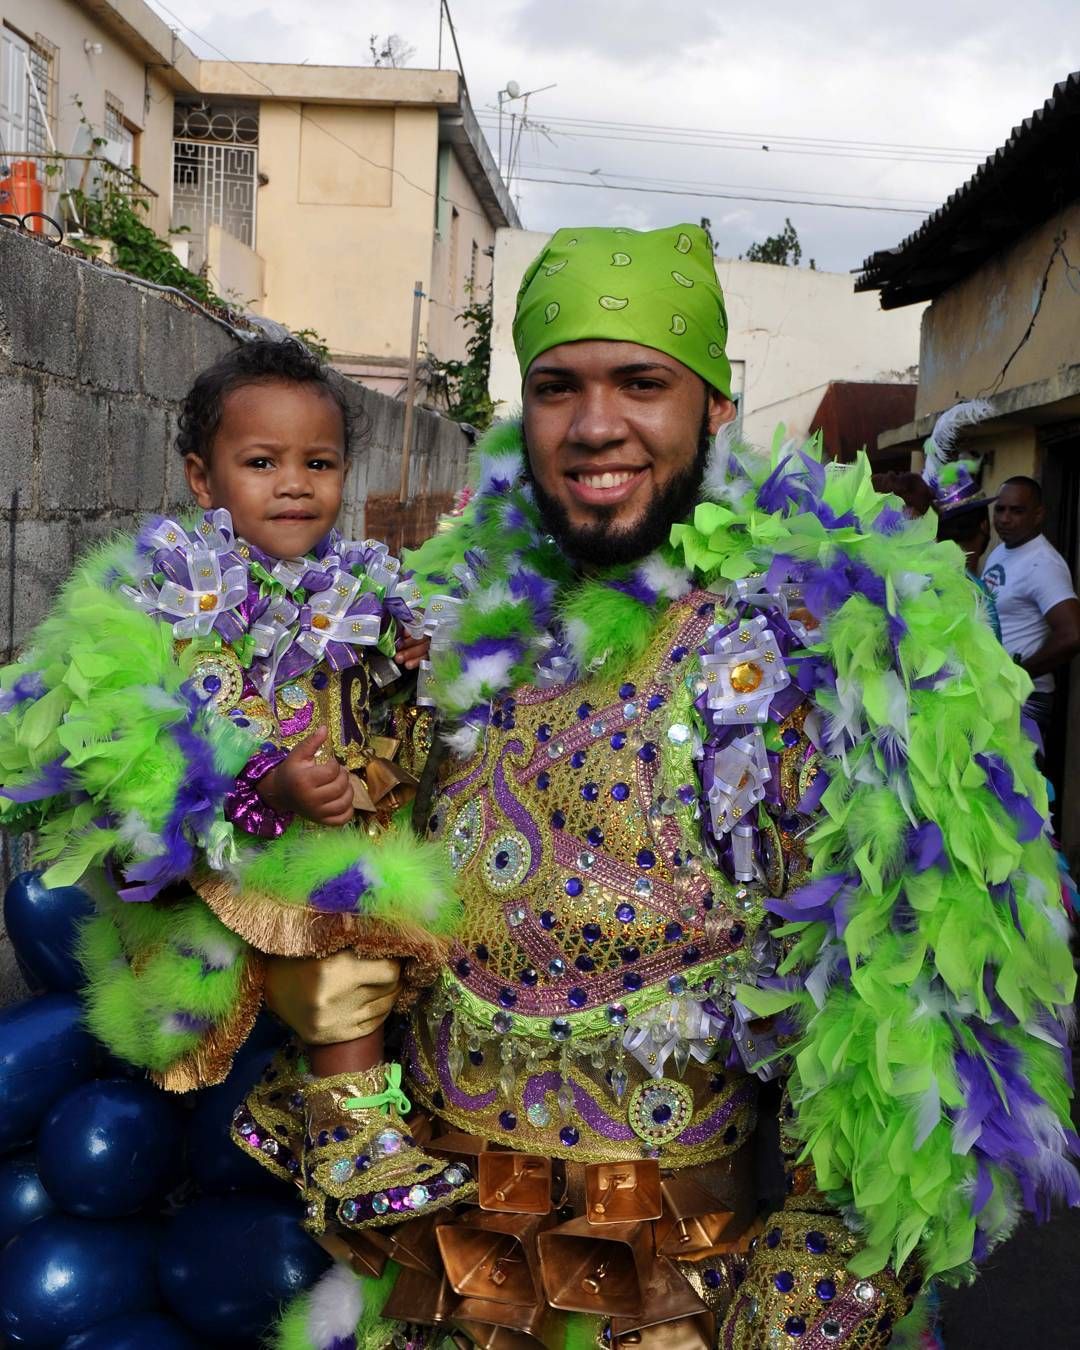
{"x":288,"y":930}
{"x":212,"y":1058}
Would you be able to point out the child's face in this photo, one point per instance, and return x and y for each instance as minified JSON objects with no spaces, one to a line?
{"x":277,"y":466}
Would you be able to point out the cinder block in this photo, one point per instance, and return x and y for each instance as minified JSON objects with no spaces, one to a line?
{"x":177,"y":493}
{"x":16,"y":437}
{"x":211,"y":342}
{"x":38,"y":298}
{"x":43,"y":559}
{"x":74,"y":449}
{"x":137,"y":437}
{"x":110,"y":319}
{"x":168,"y":353}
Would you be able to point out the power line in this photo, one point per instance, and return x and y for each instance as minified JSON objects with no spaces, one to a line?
{"x":729,"y":196}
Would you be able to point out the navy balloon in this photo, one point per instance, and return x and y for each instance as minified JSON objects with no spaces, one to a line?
{"x":42,"y":925}
{"x":60,"y":1276}
{"x":44,"y":1051}
{"x":226,"y":1265}
{"x":22,"y":1196}
{"x":142,"y":1331}
{"x":109,"y":1147}
{"x":214,"y":1161}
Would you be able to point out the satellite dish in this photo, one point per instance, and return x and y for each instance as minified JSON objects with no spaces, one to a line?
{"x":513,"y":88}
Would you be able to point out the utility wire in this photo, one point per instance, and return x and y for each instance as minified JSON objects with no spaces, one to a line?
{"x":728,"y":196}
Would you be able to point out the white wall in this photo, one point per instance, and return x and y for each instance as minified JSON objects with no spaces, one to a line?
{"x":793,"y":330}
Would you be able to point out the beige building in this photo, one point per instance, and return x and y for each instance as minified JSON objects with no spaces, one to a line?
{"x":1000,"y":265}
{"x":793,"y":332}
{"x":316,"y":196}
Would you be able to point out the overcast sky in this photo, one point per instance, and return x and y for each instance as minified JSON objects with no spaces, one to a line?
{"x":949,"y":74}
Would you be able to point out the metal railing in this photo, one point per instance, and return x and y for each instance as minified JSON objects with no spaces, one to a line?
{"x":64,"y":178}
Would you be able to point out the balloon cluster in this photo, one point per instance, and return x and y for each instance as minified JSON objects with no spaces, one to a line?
{"x":127,"y":1218}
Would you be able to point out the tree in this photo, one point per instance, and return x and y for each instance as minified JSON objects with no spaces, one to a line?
{"x":392,"y":50}
{"x":783,"y":249}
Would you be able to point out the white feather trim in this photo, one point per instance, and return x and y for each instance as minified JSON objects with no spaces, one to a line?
{"x":577,"y":639}
{"x":463,"y":741}
{"x":673,"y":582}
{"x":334,"y":1307}
{"x":722,"y":481}
{"x":506,"y":467}
{"x":491,"y":597}
{"x":491,"y":671}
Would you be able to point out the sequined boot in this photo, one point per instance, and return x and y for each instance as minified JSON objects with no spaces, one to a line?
{"x":362,"y":1167}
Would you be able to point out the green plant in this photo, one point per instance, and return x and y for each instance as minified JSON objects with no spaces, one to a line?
{"x":314,"y":342}
{"x":783,"y":249}
{"x":465,"y":383}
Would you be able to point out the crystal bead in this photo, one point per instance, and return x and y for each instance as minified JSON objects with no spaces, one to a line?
{"x":456,"y":1060}
{"x":539,"y":1115}
{"x":560,"y":1029}
{"x":565,"y":1098}
{"x":597,"y":729}
{"x":630,"y":711}
{"x":619,"y":1082}
{"x":616,"y":1014}
{"x":419,"y":1196}
{"x":502,"y":1022}
{"x":454,"y":1176}
{"x":507,"y":1079}
{"x":555,"y":749}
{"x":678,"y":733}
{"x":388,"y":1142}
{"x":677,"y":985}
{"x":380,"y":1203}
{"x":341,"y":1170}
{"x":831,"y":1329}
{"x":586,"y":860}
{"x":516,"y":917}
{"x":865,"y":1291}
{"x":348,"y":1210}
{"x":642,"y":886}
{"x":682,"y":1056}
{"x":556,"y":967}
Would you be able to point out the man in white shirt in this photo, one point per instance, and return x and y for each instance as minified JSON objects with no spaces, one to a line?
{"x":1033,"y":591}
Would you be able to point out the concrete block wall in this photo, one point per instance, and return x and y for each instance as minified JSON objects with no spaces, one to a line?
{"x":93,"y":367}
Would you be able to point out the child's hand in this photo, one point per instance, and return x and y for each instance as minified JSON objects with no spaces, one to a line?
{"x":301,"y":785}
{"x":411,"y":651}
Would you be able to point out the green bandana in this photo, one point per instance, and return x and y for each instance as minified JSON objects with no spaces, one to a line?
{"x":656,"y":287}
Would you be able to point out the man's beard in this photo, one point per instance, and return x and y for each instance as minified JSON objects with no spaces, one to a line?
{"x":601,"y":545}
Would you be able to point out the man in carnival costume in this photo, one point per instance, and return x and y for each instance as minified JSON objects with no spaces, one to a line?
{"x":735,"y":790}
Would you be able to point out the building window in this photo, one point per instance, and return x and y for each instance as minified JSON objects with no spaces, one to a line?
{"x":27,"y":93}
{"x":215,"y":173}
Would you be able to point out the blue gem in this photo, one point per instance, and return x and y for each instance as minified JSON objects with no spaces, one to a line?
{"x":507,"y":998}
{"x":712,"y":1279}
{"x":595,"y":836}
{"x":789,"y":736}
{"x":241,"y":721}
{"x":784,"y":1281}
{"x":677,"y":985}
{"x":577,"y":759}
{"x":625,"y":913}
{"x":673,"y":932}
{"x":212,"y":684}
{"x":655,"y":701}
{"x":646,"y":858}
{"x":476,"y":1057}
{"x":592,"y":932}
{"x":496,"y":719}
{"x":736,"y":933}
{"x":690,"y":955}
{"x":577,"y":997}
{"x":788,"y":823}
{"x":627,"y":691}
{"x":569,"y":1135}
{"x":543,"y":781}
{"x":558,"y":819}
{"x":584,"y":711}
{"x":543,"y":732}
{"x":628,"y":955}
{"x":341,"y":1134}
{"x":323,"y":1139}
{"x":677,"y":654}
{"x":560,"y":1029}
{"x":463,"y":968}
{"x":481,"y":952}
{"x":584,"y":963}
{"x":590,"y":792}
{"x":685,"y":794}
{"x":817,"y":1244}
{"x":795,"y":1326}
{"x":647,"y":752}
{"x":716,"y":1084}
{"x":574,"y":886}
{"x":556,"y":967}
{"x":362,"y":1163}
{"x":706,"y":609}
{"x":502,"y":859}
{"x":826,"y":1290}
{"x":618,"y":740}
{"x":547,"y":920}
{"x":320,"y":679}
{"x":631,"y":981}
{"x":507,"y":1120}
{"x":620,"y":792}
{"x":662,"y":1113}
{"x":528,"y":977}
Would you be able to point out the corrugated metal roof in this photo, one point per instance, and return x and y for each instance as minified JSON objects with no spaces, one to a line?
{"x":1035,"y":173}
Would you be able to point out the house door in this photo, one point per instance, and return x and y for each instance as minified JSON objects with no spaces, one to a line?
{"x":14,"y":95}
{"x":1061,"y":494}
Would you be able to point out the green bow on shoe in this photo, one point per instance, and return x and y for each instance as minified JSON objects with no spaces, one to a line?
{"x":392,"y":1098}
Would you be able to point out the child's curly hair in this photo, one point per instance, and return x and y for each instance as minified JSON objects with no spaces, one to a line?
{"x":262,"y":359}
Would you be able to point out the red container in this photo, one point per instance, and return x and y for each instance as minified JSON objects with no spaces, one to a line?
{"x":21,"y":194}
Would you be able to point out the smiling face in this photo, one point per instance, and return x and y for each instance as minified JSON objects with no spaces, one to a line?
{"x":617,"y":435}
{"x":277,"y":465}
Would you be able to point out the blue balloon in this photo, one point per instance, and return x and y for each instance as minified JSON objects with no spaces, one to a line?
{"x":109,"y":1147}
{"x":226,"y":1265}
{"x":60,"y":1276}
{"x":44,"y":1051}
{"x":142,"y":1331}
{"x":22,"y":1196}
{"x":42,"y":925}
{"x":214,"y":1161}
